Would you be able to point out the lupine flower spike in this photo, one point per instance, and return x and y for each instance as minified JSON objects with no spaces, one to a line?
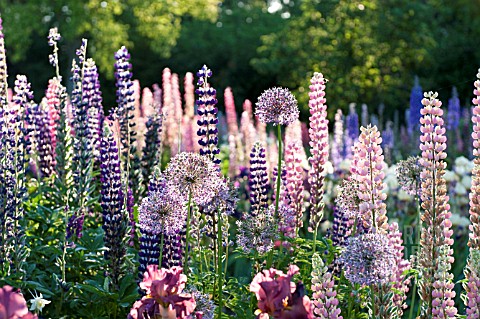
{"x":319,"y":148}
{"x":435,"y":256}
{"x":207,"y":110}
{"x":472,"y":270}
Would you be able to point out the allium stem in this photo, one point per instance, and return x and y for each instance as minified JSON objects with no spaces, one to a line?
{"x":279,"y":169}
{"x":187,"y":233}
{"x":162,"y":238}
{"x":219,"y":265}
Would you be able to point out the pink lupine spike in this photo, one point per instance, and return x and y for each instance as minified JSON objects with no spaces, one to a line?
{"x":319,"y":147}
{"x":472,"y":270}
{"x":367,"y":169}
{"x":294,"y":179}
{"x":324,"y":297}
{"x":435,"y":256}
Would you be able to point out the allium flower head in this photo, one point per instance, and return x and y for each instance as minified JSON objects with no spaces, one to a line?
{"x":369,"y":259}
{"x":278,"y":106}
{"x":195,"y":174}
{"x":347,"y":200}
{"x":257,"y":232}
{"x":408,"y":175}
{"x":162,"y":211}
{"x":279,"y":297}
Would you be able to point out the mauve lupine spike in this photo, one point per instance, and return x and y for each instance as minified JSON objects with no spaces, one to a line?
{"x":318,"y":147}
{"x":294,"y":181}
{"x":435,"y":254}
{"x":472,"y":270}
{"x":400,"y":281}
{"x":338,"y":152}
{"x":324,"y":296}
{"x":367,"y":170}
{"x":230,"y":112}
{"x":3,"y":68}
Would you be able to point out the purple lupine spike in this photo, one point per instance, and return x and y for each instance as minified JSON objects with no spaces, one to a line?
{"x":415,"y":106}
{"x":341,"y":227}
{"x":435,"y":255}
{"x":95,"y":113}
{"x":365,"y":117}
{"x":453,"y":111}
{"x":338,"y":152}
{"x":472,"y":270}
{"x":388,"y":141}
{"x":258,"y":180}
{"x":13,"y":146}
{"x":53,"y":38}
{"x":351,"y":130}
{"x":113,"y":210}
{"x":318,"y":147}
{"x":207,"y":110}
{"x":324,"y":297}
{"x":74,"y":227}
{"x":44,"y":146}
{"x":338,"y":233}
{"x":3,"y":69}
{"x":125,"y":98}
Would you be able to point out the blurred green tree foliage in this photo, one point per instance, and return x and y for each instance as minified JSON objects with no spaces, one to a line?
{"x":370,"y":50}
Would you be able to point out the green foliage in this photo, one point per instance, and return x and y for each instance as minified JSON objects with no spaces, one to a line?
{"x":109,"y":24}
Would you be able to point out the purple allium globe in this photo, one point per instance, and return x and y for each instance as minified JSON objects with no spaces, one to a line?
{"x":408,"y":175}
{"x":162,"y":211}
{"x":195,"y":174}
{"x":277,"y":106}
{"x":369,"y":259}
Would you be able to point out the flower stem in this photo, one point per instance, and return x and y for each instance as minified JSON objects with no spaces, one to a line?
{"x":161,"y":246}
{"x":279,"y":170}
{"x":187,"y":235}
{"x":219,"y":265}
{"x":412,"y":304}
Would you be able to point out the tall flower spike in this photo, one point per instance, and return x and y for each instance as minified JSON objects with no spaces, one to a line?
{"x":207,"y":110}
{"x":368,"y":170}
{"x":415,"y":107}
{"x":324,"y":297}
{"x":453,"y":115}
{"x":351,"y":130}
{"x":400,"y":282}
{"x":113,"y":208}
{"x":435,"y":291}
{"x":294,"y":180}
{"x":337,"y":145}
{"x":472,"y":270}
{"x":258,"y":180}
{"x":3,"y":68}
{"x":230,"y":112}
{"x":318,"y":147}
